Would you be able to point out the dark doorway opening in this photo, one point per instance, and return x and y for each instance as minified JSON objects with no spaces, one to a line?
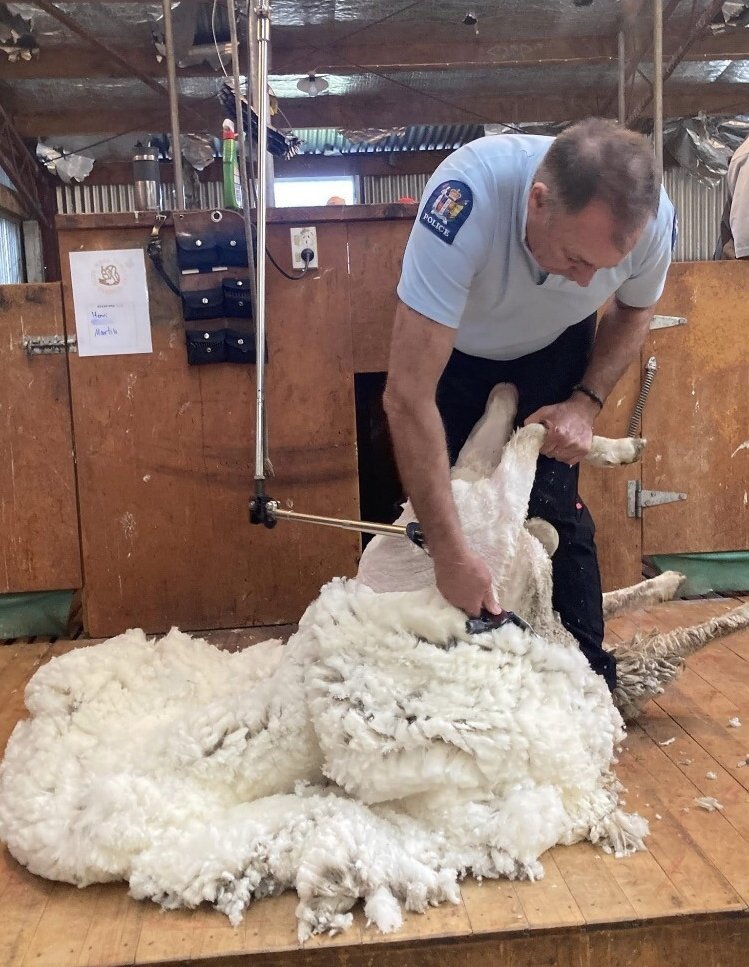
{"x":380,"y":490}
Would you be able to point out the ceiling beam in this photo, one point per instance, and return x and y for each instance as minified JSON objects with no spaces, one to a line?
{"x":678,"y":55}
{"x":400,"y":55}
{"x":139,"y":119}
{"x":390,"y":111}
{"x":80,"y":62}
{"x":20,"y":166}
{"x":97,"y":44}
{"x":93,"y":40}
{"x":404,"y":54}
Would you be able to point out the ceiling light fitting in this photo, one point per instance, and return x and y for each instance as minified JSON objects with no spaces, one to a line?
{"x":471,"y":20}
{"x":312,"y":84}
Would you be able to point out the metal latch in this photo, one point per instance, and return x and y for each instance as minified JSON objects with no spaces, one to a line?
{"x":665,"y":322}
{"x":49,"y":345}
{"x":637,"y":498}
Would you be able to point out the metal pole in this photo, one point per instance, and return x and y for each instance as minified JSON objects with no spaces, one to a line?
{"x":622,"y":60}
{"x":242,"y":150}
{"x":262,"y":14}
{"x":362,"y":526}
{"x":171,"y":73}
{"x":658,"y":83}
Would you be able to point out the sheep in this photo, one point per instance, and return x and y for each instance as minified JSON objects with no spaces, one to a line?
{"x":520,"y":556}
{"x":383,"y":753}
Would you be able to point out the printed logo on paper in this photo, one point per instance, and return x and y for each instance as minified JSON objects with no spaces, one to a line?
{"x":108,"y":275}
{"x":447,"y":209}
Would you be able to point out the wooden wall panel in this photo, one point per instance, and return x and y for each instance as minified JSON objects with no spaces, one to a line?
{"x":375,"y":256}
{"x":166,"y":458}
{"x":38,"y":511}
{"x":604,"y":490}
{"x":697,"y":416}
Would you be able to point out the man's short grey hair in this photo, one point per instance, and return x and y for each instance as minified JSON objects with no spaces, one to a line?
{"x":598,"y":160}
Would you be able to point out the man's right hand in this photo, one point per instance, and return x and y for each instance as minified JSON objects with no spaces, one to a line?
{"x":464,"y":580}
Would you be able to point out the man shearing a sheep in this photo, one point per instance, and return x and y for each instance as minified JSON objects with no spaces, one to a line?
{"x":519,"y":240}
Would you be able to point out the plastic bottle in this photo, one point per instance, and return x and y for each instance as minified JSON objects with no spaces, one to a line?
{"x":232,"y":182}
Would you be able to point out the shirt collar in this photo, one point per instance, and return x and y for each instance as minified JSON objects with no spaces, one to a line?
{"x":539,"y":275}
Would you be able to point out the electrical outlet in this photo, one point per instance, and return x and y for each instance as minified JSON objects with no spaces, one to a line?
{"x":301,"y":239}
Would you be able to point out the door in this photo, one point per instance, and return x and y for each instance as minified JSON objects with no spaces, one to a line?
{"x":697,"y":415}
{"x":38,"y":509}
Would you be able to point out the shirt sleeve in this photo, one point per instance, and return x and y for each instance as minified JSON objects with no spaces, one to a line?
{"x":650,"y":261}
{"x":449,"y":243}
{"x":739,"y":217}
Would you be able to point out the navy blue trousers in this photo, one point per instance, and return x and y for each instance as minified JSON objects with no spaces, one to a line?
{"x":542,"y":378}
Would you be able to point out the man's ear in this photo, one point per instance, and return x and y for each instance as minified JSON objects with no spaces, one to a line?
{"x":539,"y":195}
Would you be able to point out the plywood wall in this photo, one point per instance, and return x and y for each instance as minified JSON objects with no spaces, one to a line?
{"x":38,"y":512}
{"x":166,"y":459}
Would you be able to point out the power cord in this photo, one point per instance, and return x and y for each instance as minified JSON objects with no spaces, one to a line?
{"x":306,"y":254}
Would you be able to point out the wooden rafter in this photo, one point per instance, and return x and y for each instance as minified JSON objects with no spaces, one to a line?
{"x":640,"y":53}
{"x":131,"y":69}
{"x":20,"y":166}
{"x":390,"y":111}
{"x":399,"y":55}
{"x":676,"y":58}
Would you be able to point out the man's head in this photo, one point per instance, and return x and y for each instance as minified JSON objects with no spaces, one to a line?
{"x":591,"y":199}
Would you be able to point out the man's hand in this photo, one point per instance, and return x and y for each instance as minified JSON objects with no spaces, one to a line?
{"x":465,"y":581}
{"x":569,"y":428}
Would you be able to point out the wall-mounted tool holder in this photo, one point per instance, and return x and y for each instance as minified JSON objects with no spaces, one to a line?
{"x":216,"y":294}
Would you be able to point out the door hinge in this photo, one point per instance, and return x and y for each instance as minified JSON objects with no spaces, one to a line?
{"x":637,"y":498}
{"x":665,"y":322}
{"x":49,"y":345}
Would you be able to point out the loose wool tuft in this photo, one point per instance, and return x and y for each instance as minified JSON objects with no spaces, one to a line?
{"x":382,"y":754}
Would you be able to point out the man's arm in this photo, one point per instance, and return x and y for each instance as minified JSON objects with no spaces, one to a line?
{"x":419,"y":352}
{"x":621,"y":332}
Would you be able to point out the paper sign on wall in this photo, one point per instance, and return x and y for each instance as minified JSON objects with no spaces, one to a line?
{"x":110,"y":295}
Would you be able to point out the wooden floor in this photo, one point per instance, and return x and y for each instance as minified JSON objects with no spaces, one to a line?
{"x":684,"y":902}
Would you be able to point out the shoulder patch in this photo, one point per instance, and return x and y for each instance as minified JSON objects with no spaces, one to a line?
{"x":446,"y":209}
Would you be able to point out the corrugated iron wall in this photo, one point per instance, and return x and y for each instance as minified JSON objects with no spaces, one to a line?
{"x":11,"y":252}
{"x":699,"y":208}
{"x":89,"y":199}
{"x":381,"y":189}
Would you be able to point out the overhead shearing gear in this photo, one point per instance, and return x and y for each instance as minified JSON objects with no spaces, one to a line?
{"x":263,"y":509}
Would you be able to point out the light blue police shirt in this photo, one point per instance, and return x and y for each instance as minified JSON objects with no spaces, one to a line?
{"x":467,"y":265}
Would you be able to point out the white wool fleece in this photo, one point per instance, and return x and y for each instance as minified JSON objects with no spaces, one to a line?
{"x":381,"y":754}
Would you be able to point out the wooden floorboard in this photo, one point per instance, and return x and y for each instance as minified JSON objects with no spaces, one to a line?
{"x":685,"y":900}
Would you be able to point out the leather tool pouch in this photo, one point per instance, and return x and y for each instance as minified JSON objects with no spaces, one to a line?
{"x":209,"y":241}
{"x":211,"y":247}
{"x":205,"y":346}
{"x":237,"y":304}
{"x":203,"y":304}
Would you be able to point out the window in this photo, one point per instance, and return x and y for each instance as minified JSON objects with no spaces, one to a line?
{"x":303,"y":192}
{"x":11,"y":251}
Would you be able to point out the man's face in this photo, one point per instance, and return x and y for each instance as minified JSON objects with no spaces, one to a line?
{"x":573,"y":246}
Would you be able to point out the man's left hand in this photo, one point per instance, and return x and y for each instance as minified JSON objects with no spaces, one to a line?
{"x":569,"y":429}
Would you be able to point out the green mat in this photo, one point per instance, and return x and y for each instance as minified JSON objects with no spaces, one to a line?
{"x":35,"y":613}
{"x":716,"y":571}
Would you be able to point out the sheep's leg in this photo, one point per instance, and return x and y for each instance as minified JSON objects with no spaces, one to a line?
{"x":545,"y":533}
{"x":513,"y":480}
{"x":661,"y":588}
{"x":614,"y":453}
{"x":683,"y":642}
{"x":482,"y":451}
{"x":644,"y":666}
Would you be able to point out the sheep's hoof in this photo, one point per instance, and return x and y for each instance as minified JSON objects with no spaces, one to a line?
{"x":615,"y":453}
